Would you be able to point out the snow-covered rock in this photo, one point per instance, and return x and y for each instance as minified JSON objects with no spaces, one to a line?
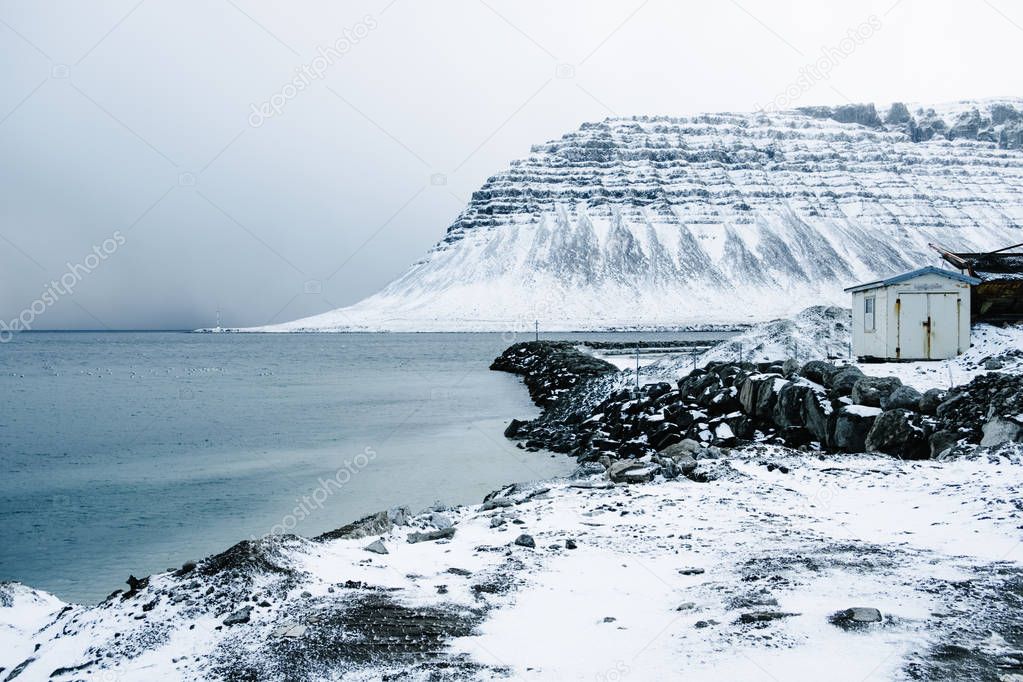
{"x":663,"y":222}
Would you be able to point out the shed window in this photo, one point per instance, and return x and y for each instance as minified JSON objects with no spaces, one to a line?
{"x":868,"y":314}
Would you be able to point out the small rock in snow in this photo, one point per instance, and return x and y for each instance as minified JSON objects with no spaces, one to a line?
{"x":855,"y":617}
{"x":240,"y":616}
{"x":525,"y":540}
{"x":377,"y":547}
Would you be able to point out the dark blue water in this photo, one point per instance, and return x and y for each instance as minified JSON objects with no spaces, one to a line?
{"x":132,"y":452}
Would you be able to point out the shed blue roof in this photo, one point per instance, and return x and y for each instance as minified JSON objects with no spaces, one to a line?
{"x":929,"y":270}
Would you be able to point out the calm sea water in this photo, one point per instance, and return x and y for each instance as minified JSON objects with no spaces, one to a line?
{"x":133,"y":452}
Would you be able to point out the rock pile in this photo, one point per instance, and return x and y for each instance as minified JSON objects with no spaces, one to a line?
{"x":818,"y":406}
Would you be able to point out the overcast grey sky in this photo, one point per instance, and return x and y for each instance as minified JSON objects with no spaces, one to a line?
{"x":142,"y":125}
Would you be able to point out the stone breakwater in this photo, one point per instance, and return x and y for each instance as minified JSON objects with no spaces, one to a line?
{"x":816,"y":406}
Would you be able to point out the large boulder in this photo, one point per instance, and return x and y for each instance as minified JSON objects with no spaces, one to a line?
{"x":819,"y":372}
{"x":722,"y":401}
{"x":871,"y":391}
{"x":1000,"y":430}
{"x":901,"y":433}
{"x":631,"y":471}
{"x":757,"y":395}
{"x":903,"y":397}
{"x":852,"y":424}
{"x":943,"y":441}
{"x":788,"y":410}
{"x":843,"y":381}
{"x":819,"y":417}
{"x":930,"y":400}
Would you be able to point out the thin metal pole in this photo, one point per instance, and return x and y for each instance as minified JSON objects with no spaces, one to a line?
{"x":637,"y":367}
{"x":536,"y":326}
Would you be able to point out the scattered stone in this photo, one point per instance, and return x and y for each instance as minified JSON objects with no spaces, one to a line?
{"x":375,"y":524}
{"x":240,"y":616}
{"x":525,"y":540}
{"x":185,"y":569}
{"x":294,"y":632}
{"x":440,"y":521}
{"x":570,"y":544}
{"x":631,"y":471}
{"x":431,"y":535}
{"x":459,"y":571}
{"x":377,"y":547}
{"x":763,"y":616}
{"x":856,"y":617}
{"x":691,"y":571}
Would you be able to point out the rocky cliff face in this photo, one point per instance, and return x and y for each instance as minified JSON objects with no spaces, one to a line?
{"x":656,"y":221}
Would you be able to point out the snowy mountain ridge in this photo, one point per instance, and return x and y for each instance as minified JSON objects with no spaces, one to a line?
{"x":651,"y":222}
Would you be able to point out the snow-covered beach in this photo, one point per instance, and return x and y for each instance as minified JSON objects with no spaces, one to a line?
{"x":744,"y":568}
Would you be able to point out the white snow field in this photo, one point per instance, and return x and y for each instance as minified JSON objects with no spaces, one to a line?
{"x":731,"y":579}
{"x":660,"y":222}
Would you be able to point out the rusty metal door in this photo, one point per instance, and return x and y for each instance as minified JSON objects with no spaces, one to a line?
{"x":928,"y":326}
{"x":913,"y":327}
{"x":943,"y":312}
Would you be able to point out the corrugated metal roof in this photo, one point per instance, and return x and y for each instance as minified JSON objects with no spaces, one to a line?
{"x":929,"y":270}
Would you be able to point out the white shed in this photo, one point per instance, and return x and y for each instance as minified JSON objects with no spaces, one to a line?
{"x":919,"y":315}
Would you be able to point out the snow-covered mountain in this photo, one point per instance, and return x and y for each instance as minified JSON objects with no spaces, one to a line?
{"x":735,"y":217}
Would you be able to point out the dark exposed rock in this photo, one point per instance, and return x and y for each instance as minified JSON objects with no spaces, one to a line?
{"x":852,"y":424}
{"x":754,"y":617}
{"x":525,"y":540}
{"x":239,"y":617}
{"x":819,"y":418}
{"x":551,"y":368}
{"x":374,"y":524}
{"x":855,"y":617}
{"x":431,"y":535}
{"x":930,"y":400}
{"x":903,"y":397}
{"x":757,"y":395}
{"x":898,"y":113}
{"x":513,"y":428}
{"x":843,"y":381}
{"x":871,"y":391}
{"x":788,"y":410}
{"x":900,"y":433}
{"x":819,"y":372}
{"x":942,"y":441}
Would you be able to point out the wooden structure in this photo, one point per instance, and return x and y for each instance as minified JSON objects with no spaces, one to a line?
{"x":918,"y":315}
{"x":999,"y":295}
